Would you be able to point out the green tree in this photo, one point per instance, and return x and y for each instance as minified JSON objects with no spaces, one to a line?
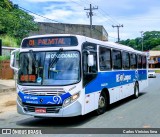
{"x":151,"y":39}
{"x":156,"y":48}
{"x":6,"y":4}
{"x":14,"y":21}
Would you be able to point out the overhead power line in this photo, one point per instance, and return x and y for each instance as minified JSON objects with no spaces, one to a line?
{"x":102,"y":12}
{"x":56,"y":20}
{"x":38,"y":15}
{"x":90,"y":14}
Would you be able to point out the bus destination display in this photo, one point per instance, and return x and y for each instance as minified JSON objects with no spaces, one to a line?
{"x":49,"y":42}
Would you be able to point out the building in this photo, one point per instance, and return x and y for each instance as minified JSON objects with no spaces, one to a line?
{"x":154,"y":59}
{"x":98,"y":31}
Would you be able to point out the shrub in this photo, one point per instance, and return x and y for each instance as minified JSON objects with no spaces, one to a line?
{"x":8,"y":41}
{"x":2,"y":58}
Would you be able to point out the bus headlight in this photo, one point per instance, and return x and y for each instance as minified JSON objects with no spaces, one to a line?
{"x":70,"y":99}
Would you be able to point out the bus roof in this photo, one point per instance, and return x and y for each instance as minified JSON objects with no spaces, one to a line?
{"x":99,"y":42}
{"x":49,"y":35}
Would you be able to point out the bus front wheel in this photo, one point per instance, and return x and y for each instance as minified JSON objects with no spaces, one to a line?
{"x":102,"y":104}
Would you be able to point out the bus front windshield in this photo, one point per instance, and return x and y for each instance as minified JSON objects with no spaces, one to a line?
{"x":49,"y":68}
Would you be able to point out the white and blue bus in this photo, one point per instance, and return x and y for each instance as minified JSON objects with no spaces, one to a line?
{"x":68,"y":75}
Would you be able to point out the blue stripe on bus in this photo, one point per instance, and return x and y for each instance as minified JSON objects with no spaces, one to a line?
{"x":35,"y":99}
{"x":114,"y":78}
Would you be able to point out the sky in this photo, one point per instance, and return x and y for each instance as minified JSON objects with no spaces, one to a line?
{"x":135,"y":15}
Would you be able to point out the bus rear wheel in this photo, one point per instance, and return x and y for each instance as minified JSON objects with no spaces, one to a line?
{"x":102,"y":104}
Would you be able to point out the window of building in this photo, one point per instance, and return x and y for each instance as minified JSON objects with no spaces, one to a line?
{"x":104,"y":58}
{"x":116,"y":59}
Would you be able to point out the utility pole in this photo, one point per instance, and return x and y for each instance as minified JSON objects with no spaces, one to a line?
{"x":142,"y":38}
{"x":90,"y":14}
{"x":118,"y":26}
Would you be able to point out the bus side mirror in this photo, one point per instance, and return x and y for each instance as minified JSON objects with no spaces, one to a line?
{"x":13,"y":60}
{"x":90,"y":60}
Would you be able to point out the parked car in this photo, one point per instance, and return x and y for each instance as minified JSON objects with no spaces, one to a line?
{"x":151,"y":74}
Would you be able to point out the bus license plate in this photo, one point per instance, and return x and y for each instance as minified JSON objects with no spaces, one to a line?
{"x":40,"y":110}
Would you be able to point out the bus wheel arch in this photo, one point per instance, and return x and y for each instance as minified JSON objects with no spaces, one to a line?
{"x":136,"y":90}
{"x":103,"y":102}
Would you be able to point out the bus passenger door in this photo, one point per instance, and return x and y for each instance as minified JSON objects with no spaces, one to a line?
{"x":89,"y":67}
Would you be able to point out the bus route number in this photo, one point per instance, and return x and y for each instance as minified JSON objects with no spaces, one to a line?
{"x":31,"y":42}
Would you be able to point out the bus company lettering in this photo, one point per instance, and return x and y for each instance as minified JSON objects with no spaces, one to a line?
{"x":122,"y":77}
{"x":30,"y":97}
{"x":51,"y":41}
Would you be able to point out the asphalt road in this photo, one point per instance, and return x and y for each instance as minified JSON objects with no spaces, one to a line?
{"x":143,"y":112}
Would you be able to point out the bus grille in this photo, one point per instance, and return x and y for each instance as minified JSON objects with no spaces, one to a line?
{"x":54,"y":109}
{"x":45,"y":92}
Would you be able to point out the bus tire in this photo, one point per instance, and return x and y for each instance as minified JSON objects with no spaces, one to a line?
{"x":136,"y":91}
{"x":102,"y":104}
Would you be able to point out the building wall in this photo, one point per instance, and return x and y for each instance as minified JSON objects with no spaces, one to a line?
{"x":98,"y":31}
{"x":154,"y":59}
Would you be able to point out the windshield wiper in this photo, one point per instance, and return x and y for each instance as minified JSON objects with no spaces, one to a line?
{"x":54,"y":60}
{"x":33,"y":58}
{"x":39,"y":69}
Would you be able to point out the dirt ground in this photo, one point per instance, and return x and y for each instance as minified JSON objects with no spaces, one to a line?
{"x":7,"y":102}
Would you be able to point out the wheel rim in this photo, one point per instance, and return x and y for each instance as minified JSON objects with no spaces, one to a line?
{"x":101,"y":102}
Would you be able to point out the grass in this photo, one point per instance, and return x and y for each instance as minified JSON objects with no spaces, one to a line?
{"x":8,"y":41}
{"x":157,"y":71}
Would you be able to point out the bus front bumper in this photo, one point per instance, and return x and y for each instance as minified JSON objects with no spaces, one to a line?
{"x":74,"y":109}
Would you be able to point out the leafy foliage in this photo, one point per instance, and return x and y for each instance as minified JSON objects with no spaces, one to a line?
{"x":2,"y":58}
{"x":151,"y":40}
{"x":156,"y":48}
{"x":14,"y":21}
{"x":9,"y":41}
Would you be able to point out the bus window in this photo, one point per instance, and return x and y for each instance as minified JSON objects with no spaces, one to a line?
{"x":144,"y":63}
{"x":139,"y":59}
{"x":125,"y":58}
{"x":116,"y":59}
{"x":133,"y":61}
{"x":104,"y":59}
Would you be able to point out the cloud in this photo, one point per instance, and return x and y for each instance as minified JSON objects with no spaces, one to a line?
{"x":134,"y":15}
{"x":145,"y":22}
{"x":65,"y":13}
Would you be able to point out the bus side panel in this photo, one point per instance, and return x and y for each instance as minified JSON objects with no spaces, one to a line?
{"x":119,"y":83}
{"x":91,"y":101}
{"x":143,"y":79}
